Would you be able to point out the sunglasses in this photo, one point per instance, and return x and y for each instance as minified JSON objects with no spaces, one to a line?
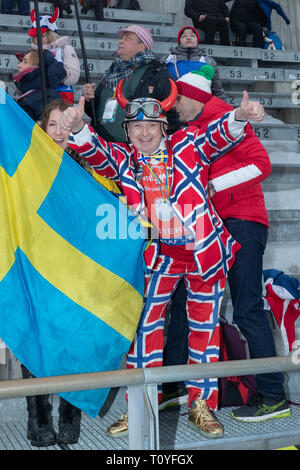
{"x":151,"y":109}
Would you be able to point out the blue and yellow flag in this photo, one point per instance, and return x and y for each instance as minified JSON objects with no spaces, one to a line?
{"x":71,"y":284}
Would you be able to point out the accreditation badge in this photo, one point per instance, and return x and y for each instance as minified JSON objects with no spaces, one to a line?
{"x":163,"y":209}
{"x":110,"y":109}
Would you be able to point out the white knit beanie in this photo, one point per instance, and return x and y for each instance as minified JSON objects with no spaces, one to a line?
{"x":197,"y":85}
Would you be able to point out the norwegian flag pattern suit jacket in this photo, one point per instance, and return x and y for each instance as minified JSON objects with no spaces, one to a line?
{"x":190,"y":152}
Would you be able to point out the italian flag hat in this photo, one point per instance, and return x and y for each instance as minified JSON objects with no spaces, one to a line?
{"x":197,"y":85}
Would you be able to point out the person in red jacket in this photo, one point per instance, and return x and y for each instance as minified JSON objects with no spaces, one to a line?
{"x":237,"y":196}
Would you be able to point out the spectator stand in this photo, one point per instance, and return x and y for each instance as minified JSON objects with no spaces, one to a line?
{"x":112,"y":14}
{"x":272,"y":77}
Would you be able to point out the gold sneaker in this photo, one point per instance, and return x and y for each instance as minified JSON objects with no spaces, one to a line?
{"x":119,"y":428}
{"x":201,"y":418}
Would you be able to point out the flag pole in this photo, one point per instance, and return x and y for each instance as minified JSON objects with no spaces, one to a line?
{"x":84,"y":56}
{"x":40,"y":51}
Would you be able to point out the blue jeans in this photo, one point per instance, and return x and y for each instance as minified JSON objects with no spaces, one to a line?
{"x":245,"y":282}
{"x":23,"y":6}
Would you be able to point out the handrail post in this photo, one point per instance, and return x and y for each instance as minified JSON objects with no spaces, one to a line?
{"x":136,"y":413}
{"x":151,"y":403}
{"x":143,"y":417}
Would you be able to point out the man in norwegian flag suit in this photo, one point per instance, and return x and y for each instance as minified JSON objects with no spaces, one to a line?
{"x":164,"y":180}
{"x":238,"y":198}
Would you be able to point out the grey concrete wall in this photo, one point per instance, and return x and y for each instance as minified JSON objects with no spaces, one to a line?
{"x":290,"y":35}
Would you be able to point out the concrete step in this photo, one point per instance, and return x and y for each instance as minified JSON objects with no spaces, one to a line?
{"x":283,"y":178}
{"x":91,"y":28}
{"x":285,"y":175}
{"x":99,"y":47}
{"x":258,"y":74}
{"x":96,"y":67}
{"x":281,"y":158}
{"x":251,"y":53}
{"x":287,"y":201}
{"x":283,"y":132}
{"x":284,"y":214}
{"x":284,"y":256}
{"x":281,"y":147}
{"x":46,"y":8}
{"x":268,"y":100}
{"x":284,"y":226}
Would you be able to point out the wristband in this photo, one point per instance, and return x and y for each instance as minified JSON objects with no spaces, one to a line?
{"x":78,"y":127}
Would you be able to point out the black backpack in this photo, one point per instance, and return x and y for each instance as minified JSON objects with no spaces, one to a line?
{"x":155,"y":84}
{"x":237,"y":390}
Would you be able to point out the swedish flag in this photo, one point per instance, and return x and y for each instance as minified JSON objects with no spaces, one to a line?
{"x":70,"y":299}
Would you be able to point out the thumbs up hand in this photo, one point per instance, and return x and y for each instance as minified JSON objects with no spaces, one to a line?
{"x":72,"y":118}
{"x":249,"y":110}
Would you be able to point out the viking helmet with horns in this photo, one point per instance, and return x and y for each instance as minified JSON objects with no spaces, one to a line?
{"x":46,"y":23}
{"x":146,"y":109}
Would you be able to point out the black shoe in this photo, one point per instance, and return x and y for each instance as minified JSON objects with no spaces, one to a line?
{"x":40,"y":430}
{"x":68,"y":10}
{"x":262,"y":408}
{"x":68,"y":423}
{"x":180,"y":397}
{"x":39,"y":427}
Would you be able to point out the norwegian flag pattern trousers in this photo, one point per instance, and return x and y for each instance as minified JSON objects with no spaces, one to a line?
{"x":203,"y":307}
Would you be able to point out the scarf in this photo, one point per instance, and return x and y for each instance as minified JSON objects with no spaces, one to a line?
{"x":124,"y":68}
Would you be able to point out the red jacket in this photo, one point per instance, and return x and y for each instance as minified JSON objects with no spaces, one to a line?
{"x":237,"y":175}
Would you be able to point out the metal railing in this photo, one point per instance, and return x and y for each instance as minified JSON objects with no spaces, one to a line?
{"x":142,"y":388}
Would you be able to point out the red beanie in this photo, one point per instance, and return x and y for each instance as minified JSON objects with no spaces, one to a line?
{"x":187,"y":27}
